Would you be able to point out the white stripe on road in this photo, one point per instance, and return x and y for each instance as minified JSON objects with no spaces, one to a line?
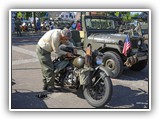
{"x":24,"y":51}
{"x":28,"y":52}
{"x":17,"y":62}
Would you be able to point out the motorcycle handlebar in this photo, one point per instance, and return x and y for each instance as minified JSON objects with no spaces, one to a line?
{"x":64,"y":57}
{"x":74,"y":56}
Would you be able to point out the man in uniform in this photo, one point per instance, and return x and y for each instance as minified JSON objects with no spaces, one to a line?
{"x":50,"y":42}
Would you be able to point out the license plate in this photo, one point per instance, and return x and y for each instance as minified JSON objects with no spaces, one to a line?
{"x":142,"y":58}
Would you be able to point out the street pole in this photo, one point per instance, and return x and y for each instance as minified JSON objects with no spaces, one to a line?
{"x":34,"y":16}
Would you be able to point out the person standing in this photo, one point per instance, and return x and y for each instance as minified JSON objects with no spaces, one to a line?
{"x":73,"y":25}
{"x":50,"y":42}
{"x":78,"y":25}
{"x":17,"y":25}
{"x":38,"y":25}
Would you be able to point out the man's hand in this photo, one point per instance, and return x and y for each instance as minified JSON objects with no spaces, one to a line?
{"x":69,"y":54}
{"x":75,"y":51}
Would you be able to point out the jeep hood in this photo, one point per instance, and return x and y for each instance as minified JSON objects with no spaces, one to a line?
{"x":107,"y":38}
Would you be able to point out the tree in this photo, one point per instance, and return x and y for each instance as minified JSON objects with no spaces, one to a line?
{"x":28,"y":14}
{"x":34,"y":16}
{"x":19,"y":15}
{"x":125,"y":16}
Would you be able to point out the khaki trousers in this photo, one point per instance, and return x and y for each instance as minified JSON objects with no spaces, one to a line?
{"x":46,"y":65}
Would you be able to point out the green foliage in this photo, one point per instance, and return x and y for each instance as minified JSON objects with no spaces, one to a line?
{"x":135,"y":15}
{"x":117,"y":14}
{"x":126,"y":16}
{"x":19,"y":15}
{"x":28,"y":14}
{"x":42,"y":14}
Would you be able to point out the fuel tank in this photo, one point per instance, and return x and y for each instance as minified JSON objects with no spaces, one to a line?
{"x":78,"y":62}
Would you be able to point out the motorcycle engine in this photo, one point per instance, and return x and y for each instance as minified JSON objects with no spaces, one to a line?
{"x":71,"y":77}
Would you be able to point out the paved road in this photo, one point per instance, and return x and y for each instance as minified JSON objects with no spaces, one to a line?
{"x":129,"y":91}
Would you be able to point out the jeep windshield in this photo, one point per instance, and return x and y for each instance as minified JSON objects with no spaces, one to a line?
{"x":99,"y":23}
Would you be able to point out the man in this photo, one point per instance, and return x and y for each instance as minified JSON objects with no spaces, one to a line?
{"x":50,"y":42}
{"x":73,"y":25}
{"x":18,"y":28}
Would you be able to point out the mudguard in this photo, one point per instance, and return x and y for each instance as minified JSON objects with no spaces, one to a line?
{"x":105,"y":69}
{"x":92,"y":73}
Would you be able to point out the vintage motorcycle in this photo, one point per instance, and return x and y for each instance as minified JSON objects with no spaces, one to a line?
{"x":94,"y":79}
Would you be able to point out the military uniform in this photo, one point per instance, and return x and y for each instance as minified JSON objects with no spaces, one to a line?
{"x":49,"y":42}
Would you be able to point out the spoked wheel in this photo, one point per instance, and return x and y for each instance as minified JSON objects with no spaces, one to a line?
{"x":99,"y":92}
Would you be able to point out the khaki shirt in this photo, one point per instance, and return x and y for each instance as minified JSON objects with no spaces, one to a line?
{"x":50,"y":41}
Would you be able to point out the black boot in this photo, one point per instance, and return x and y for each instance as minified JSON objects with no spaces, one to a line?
{"x":45,"y":87}
{"x":50,"y":89}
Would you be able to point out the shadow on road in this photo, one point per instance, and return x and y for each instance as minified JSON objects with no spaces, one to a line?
{"x":26,"y":99}
{"x":130,"y":75}
{"x":78,"y":92}
{"x":124,"y":97}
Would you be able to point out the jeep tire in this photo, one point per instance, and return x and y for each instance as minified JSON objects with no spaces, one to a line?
{"x":114,"y":63}
{"x":139,"y":66}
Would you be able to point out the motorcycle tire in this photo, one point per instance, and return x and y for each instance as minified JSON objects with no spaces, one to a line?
{"x":103,"y":86}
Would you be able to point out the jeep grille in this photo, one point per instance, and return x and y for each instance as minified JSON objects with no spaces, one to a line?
{"x":134,"y":42}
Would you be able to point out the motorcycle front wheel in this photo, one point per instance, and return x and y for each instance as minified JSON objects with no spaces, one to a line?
{"x":99,"y":92}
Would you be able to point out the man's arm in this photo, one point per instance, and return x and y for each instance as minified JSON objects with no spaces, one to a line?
{"x":55,"y":45}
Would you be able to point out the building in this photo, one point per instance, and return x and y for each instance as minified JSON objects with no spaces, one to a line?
{"x":69,"y":16}
{"x":54,"y":14}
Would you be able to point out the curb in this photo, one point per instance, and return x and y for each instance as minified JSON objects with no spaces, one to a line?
{"x":26,"y":37}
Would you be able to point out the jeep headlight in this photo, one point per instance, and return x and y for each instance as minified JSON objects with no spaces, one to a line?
{"x":139,"y":42}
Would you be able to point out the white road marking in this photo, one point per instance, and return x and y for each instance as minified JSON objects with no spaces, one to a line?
{"x":27,"y":52}
{"x":18,"y":62}
{"x":24,"y":51}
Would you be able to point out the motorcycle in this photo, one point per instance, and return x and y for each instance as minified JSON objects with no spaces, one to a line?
{"x":95,"y":80}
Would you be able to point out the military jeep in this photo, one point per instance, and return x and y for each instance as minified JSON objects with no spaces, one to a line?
{"x":101,"y":32}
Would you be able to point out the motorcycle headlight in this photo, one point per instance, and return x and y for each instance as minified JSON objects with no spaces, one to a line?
{"x":99,"y":60}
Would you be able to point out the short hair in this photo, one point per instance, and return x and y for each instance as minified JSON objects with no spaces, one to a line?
{"x":66,"y":33}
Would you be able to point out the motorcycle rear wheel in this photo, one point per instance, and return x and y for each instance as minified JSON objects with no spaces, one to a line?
{"x":99,"y":95}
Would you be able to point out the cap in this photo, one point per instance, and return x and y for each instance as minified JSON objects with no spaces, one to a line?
{"x":66,"y":33}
